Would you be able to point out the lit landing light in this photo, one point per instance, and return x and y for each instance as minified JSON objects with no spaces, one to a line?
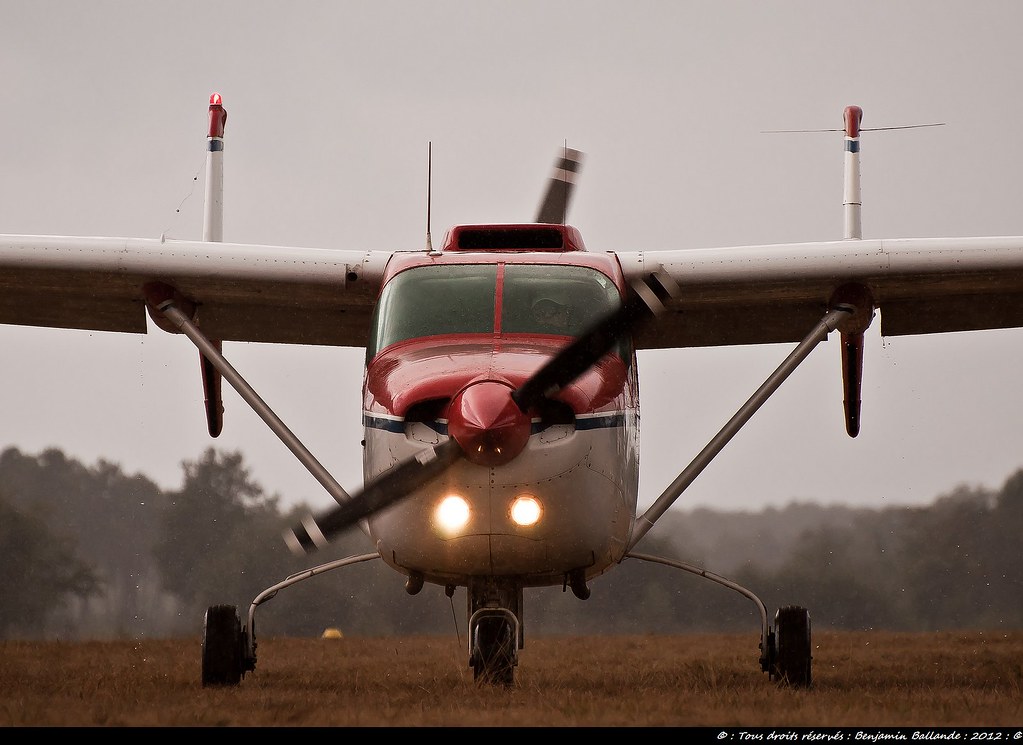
{"x":452,"y":514}
{"x":526,"y":510}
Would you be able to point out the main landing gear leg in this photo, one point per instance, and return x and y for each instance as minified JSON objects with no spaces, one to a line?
{"x":229,"y":650}
{"x":785,"y":651}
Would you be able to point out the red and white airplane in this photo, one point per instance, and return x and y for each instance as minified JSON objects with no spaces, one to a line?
{"x":500,"y":397}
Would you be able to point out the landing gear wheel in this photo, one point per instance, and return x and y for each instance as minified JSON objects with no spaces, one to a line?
{"x":222,"y":647}
{"x":793,"y":650}
{"x":494,"y":652}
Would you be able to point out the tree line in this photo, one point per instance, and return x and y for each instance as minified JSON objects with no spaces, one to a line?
{"x":92,"y":552}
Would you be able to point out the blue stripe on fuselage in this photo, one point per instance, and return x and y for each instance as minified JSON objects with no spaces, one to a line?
{"x":392,"y":425}
{"x":387,"y":424}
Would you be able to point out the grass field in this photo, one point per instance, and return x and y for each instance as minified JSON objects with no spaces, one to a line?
{"x":866,"y":680}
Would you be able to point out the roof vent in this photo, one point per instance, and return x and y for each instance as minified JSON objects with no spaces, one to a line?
{"x":526,"y":237}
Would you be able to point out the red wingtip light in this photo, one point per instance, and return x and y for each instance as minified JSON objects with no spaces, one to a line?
{"x":487,"y":424}
{"x":853,"y":117}
{"x":218,"y":116}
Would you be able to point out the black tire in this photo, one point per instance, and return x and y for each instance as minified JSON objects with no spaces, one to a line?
{"x":494,"y":657}
{"x":794,"y":652}
{"x":221,"y":647}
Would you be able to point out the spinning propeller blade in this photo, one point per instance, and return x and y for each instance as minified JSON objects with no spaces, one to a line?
{"x":644,"y":302}
{"x":390,"y":486}
{"x":488,"y":422}
{"x":558,"y":197}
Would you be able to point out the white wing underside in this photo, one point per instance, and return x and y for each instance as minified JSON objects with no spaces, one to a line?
{"x":776,"y":293}
{"x":738,"y":295}
{"x":243,"y":292}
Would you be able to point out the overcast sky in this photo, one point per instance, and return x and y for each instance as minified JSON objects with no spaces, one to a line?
{"x":332,"y":107}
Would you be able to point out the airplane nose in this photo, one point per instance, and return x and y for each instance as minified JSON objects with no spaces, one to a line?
{"x":487,"y":424}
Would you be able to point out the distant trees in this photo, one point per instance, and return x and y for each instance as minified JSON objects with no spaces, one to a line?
{"x":104,"y":519}
{"x":217,"y":534}
{"x":221,"y":543}
{"x":39,"y":571}
{"x":951,"y":565}
{"x":92,"y":552}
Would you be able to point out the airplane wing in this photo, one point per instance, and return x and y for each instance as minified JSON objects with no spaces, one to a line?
{"x":734,"y":295}
{"x":776,"y":293}
{"x":242,"y":292}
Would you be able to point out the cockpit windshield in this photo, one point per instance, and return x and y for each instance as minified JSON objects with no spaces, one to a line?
{"x":553,"y":299}
{"x":462,"y":299}
{"x":432,"y":300}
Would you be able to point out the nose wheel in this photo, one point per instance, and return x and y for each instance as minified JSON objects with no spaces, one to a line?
{"x":494,"y":652}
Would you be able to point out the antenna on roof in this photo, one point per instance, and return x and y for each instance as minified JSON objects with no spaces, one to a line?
{"x":429,"y":192}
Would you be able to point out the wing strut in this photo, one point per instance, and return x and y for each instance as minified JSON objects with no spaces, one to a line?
{"x":164,"y":299}
{"x":827,"y":324}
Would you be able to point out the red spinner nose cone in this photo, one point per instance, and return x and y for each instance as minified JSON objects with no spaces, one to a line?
{"x":487,"y":424}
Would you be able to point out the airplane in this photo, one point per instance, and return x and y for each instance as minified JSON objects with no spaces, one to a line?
{"x":501,"y":405}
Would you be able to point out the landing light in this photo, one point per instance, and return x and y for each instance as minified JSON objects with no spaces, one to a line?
{"x":452,"y":513}
{"x":526,"y":510}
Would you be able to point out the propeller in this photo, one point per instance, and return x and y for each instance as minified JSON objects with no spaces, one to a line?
{"x":556,"y":200}
{"x":489,"y":421}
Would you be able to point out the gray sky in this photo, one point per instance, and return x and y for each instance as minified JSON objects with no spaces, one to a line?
{"x":331,"y":109}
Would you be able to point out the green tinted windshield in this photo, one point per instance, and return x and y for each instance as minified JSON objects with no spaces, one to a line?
{"x":554,"y":299}
{"x":432,"y":300}
{"x":460,"y":299}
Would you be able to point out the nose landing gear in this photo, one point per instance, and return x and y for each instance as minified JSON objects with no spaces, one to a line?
{"x":493,"y":654}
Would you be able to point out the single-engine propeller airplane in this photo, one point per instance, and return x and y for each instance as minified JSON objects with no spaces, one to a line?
{"x":500,"y":396}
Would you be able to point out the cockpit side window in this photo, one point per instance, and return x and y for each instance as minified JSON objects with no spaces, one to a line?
{"x":433,"y":300}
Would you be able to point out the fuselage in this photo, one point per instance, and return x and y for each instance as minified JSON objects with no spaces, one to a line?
{"x":561,"y":500}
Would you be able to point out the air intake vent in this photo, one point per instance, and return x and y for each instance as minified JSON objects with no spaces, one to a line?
{"x":527,"y":237}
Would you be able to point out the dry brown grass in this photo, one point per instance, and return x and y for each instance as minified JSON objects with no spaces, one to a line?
{"x":865,"y":680}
